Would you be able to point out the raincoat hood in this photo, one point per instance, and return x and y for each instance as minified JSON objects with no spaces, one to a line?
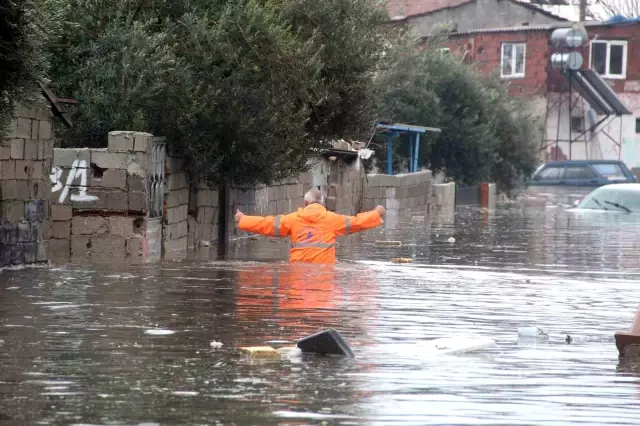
{"x":313,"y":212}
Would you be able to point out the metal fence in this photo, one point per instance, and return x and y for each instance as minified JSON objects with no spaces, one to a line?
{"x":156,"y":180}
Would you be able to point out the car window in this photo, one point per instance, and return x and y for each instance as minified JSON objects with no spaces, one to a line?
{"x":551,"y":173}
{"x":610,"y":170}
{"x":578,"y":172}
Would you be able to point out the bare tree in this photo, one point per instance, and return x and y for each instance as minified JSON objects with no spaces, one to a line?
{"x":604,"y":9}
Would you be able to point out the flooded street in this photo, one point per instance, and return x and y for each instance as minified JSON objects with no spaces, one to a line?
{"x":130,"y":345}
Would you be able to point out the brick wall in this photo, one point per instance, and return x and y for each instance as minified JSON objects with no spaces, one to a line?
{"x":485,"y":50}
{"x":25,"y":161}
{"x":100,"y":200}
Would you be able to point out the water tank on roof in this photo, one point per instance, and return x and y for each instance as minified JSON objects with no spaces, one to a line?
{"x":567,"y":37}
{"x":563,"y":61}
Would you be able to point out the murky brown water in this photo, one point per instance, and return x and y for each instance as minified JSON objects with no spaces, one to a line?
{"x":90,"y":345}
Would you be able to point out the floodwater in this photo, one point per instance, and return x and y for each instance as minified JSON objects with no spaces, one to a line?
{"x":131,"y":344}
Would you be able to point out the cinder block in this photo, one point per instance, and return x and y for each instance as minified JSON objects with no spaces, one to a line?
{"x":177,"y":197}
{"x":8,"y":190}
{"x":110,"y":178}
{"x":34,"y":210}
{"x":48,"y":149}
{"x":122,"y":226}
{"x":177,"y":230}
{"x":89,"y":225}
{"x":31,"y":149}
{"x":61,"y":212}
{"x":175,"y":246}
{"x":34,"y":129}
{"x":17,"y":149}
{"x":120,"y":141}
{"x":23,"y":169}
{"x":59,"y":248}
{"x":12,"y":130}
{"x":205,"y":214}
{"x":7,"y":170}
{"x":177,"y":181}
{"x":204,"y":198}
{"x":81,"y":246}
{"x":138,"y":164}
{"x":37,"y":170}
{"x":138,"y":201}
{"x":64,"y":157}
{"x":24,"y":128}
{"x":44,"y":129}
{"x":135,"y":246}
{"x":42,"y":254}
{"x":36,"y":188}
{"x":61,"y":230}
{"x":177,"y":214}
{"x":143,"y":142}
{"x":108,"y":160}
{"x":5,"y":152}
{"x":25,"y":232}
{"x":118,"y":200}
{"x":136,"y":183}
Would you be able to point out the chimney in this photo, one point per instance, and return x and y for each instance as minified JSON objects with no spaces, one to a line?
{"x":583,"y":10}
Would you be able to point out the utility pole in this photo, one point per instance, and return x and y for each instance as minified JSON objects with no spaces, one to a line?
{"x":583,"y":10}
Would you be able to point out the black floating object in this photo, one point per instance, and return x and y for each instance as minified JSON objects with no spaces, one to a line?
{"x":327,"y":342}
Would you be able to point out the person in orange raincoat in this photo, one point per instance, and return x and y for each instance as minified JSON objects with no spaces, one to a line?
{"x":312,"y":229}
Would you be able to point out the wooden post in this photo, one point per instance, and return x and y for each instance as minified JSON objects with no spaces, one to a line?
{"x":223,"y":218}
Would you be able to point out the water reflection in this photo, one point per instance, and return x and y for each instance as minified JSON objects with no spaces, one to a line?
{"x":129,"y":344}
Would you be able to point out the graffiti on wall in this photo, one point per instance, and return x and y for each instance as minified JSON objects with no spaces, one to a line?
{"x":78,"y":171}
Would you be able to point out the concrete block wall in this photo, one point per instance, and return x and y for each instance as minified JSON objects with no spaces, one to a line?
{"x":25,"y":161}
{"x":409,"y":192}
{"x":444,"y":199}
{"x":100,"y":199}
{"x":178,"y":214}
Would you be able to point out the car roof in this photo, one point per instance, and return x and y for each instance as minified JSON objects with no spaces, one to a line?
{"x":579,"y":162}
{"x":635,"y":187}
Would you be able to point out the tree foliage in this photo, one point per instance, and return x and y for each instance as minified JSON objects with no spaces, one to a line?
{"x":22,"y":62}
{"x":487,"y":135}
{"x":242,"y":89}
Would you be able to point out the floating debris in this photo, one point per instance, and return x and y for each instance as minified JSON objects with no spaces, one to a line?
{"x":215,"y":344}
{"x":402,"y":260}
{"x":388,"y":243}
{"x":533,"y":332}
{"x":260,"y":352}
{"x":451,"y":240}
{"x":159,"y":332}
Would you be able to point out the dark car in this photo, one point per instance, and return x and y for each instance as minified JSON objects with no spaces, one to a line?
{"x":582,"y":173}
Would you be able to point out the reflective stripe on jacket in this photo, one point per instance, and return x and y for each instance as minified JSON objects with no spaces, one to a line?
{"x":312,"y":230}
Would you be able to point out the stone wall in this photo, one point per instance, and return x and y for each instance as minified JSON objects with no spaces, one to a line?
{"x":100,"y":200}
{"x":444,"y":199}
{"x":25,"y":161}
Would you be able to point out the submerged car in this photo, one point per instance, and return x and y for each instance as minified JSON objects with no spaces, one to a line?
{"x":582,"y":173}
{"x":622,"y":197}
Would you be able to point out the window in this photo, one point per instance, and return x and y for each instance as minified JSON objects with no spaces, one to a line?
{"x":512,"y":60}
{"x":578,"y":172}
{"x":445,"y":51}
{"x":551,"y":173}
{"x":609,"y":58}
{"x":637,"y":125}
{"x":610,"y":171}
{"x":577,"y":124}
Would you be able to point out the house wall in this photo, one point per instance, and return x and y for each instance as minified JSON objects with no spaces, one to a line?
{"x":25,"y":161}
{"x":480,"y":14}
{"x":617,"y":138}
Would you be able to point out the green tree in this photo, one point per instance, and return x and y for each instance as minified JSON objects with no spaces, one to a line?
{"x":487,"y":135}
{"x":22,"y":63}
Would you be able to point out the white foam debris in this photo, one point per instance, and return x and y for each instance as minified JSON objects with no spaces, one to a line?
{"x":215,"y":344}
{"x":451,"y":240}
{"x":159,"y":332}
{"x":538,"y":332}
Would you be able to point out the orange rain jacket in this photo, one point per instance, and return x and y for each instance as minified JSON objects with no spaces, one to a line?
{"x":312,"y":229}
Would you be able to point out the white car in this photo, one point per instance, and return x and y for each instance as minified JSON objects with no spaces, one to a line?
{"x":621,"y":197}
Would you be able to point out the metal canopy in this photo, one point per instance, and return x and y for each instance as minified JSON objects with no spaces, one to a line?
{"x":596,"y":92}
{"x":397,"y":128}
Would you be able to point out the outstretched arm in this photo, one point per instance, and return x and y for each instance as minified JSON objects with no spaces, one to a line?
{"x":274,"y":226}
{"x":346,"y":225}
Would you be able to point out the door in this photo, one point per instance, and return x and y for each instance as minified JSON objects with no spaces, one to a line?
{"x":580,"y":175}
